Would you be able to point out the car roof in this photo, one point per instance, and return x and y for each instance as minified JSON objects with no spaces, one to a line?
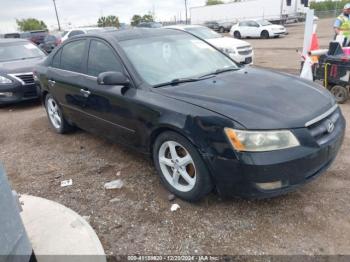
{"x":13,"y":41}
{"x":137,"y":33}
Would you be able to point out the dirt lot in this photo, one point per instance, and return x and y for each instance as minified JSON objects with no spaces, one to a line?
{"x":313,"y":220}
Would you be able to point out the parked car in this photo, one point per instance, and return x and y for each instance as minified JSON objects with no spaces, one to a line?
{"x":80,"y":31}
{"x":37,"y":37}
{"x":212,"y":25}
{"x":257,"y":28}
{"x":150,"y":25}
{"x":17,"y":60}
{"x":206,"y":122}
{"x":50,"y":42}
{"x":238,"y":50}
{"x":225,"y":27}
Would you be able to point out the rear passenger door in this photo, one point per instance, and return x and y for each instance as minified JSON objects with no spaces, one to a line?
{"x":65,"y":79}
{"x":110,"y":106}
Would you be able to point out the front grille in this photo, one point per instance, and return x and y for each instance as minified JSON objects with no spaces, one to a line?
{"x":245,"y":52}
{"x":320,"y":130}
{"x":26,"y":79}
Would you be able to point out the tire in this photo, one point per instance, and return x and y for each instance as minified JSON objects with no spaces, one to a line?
{"x":221,"y":30}
{"x":189,"y":181}
{"x":55,"y":115}
{"x":340,"y":93}
{"x":237,"y":35}
{"x":265,"y":34}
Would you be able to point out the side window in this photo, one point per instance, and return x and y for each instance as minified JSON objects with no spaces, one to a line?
{"x":254,"y":24}
{"x":102,"y":59}
{"x":72,"y":56}
{"x":75,"y":32}
{"x":56,"y":61}
{"x":243,"y":24}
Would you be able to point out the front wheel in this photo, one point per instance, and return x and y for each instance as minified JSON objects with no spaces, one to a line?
{"x":265,"y":35}
{"x":237,"y":35}
{"x":181,"y":168}
{"x":54,"y":113}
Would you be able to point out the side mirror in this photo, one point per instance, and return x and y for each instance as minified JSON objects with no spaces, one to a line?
{"x":113,"y":79}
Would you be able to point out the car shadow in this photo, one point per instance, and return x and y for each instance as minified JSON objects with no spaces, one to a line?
{"x":24,"y":105}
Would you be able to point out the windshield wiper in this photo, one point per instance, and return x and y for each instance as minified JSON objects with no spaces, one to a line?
{"x":220,"y":71}
{"x":178,"y":81}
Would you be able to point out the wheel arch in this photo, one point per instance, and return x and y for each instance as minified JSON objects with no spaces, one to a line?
{"x":167,"y":128}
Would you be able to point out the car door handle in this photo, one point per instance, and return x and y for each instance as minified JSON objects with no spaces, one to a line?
{"x":85,"y":92}
{"x":51,"y":83}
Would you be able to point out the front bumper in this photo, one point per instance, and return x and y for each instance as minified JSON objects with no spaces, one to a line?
{"x":279,"y":33}
{"x":243,"y":59}
{"x":19,"y":93}
{"x":292,"y":167}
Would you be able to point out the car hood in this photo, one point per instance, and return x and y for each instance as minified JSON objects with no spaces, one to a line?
{"x":227,"y":42}
{"x":19,"y":66}
{"x":256,"y":98}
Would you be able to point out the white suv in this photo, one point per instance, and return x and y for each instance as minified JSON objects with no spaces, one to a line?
{"x":240,"y":51}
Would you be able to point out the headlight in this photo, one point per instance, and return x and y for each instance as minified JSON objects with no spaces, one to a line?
{"x":5,"y":80}
{"x":229,"y":51}
{"x":259,"y":141}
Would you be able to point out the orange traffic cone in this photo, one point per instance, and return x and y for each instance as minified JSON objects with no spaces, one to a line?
{"x":315,"y":45}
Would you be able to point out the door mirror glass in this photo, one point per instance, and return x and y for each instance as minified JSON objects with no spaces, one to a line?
{"x":113,"y":78}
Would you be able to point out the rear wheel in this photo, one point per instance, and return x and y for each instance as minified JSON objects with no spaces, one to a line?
{"x":341,"y":93}
{"x":265,"y":35}
{"x":54,"y":113}
{"x":237,"y":35}
{"x":181,"y":168}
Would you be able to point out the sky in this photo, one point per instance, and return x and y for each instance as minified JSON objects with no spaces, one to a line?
{"x":74,"y":13}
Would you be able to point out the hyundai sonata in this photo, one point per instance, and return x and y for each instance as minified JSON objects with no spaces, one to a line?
{"x":207,"y":123}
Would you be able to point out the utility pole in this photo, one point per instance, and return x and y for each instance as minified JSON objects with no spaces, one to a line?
{"x":58,"y":21}
{"x":186,"y":10}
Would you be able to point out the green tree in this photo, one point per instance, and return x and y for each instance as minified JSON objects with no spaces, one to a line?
{"x":135,"y":20}
{"x":147,"y":18}
{"x":214,"y":2}
{"x":30,"y":24}
{"x":110,"y":20}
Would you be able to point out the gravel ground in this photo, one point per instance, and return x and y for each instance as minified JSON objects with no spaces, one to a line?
{"x":137,"y":218}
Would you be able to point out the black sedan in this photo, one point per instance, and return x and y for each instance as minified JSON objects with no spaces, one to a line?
{"x":17,"y":60}
{"x":207,"y":123}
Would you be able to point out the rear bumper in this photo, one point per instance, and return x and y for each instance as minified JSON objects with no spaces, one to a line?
{"x":16,"y":92}
{"x":291,"y":168}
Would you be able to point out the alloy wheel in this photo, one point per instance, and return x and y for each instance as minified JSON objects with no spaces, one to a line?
{"x":177,"y":166}
{"x":54,"y":113}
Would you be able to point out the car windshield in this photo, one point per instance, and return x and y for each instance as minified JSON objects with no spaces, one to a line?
{"x":163,"y":59}
{"x":263,"y":22}
{"x":19,"y":51}
{"x":203,"y":32}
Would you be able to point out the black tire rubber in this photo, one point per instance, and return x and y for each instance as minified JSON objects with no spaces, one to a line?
{"x":237,"y":35}
{"x":265,"y":34}
{"x":340,"y":93}
{"x":65,"y":126}
{"x":203,"y":184}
